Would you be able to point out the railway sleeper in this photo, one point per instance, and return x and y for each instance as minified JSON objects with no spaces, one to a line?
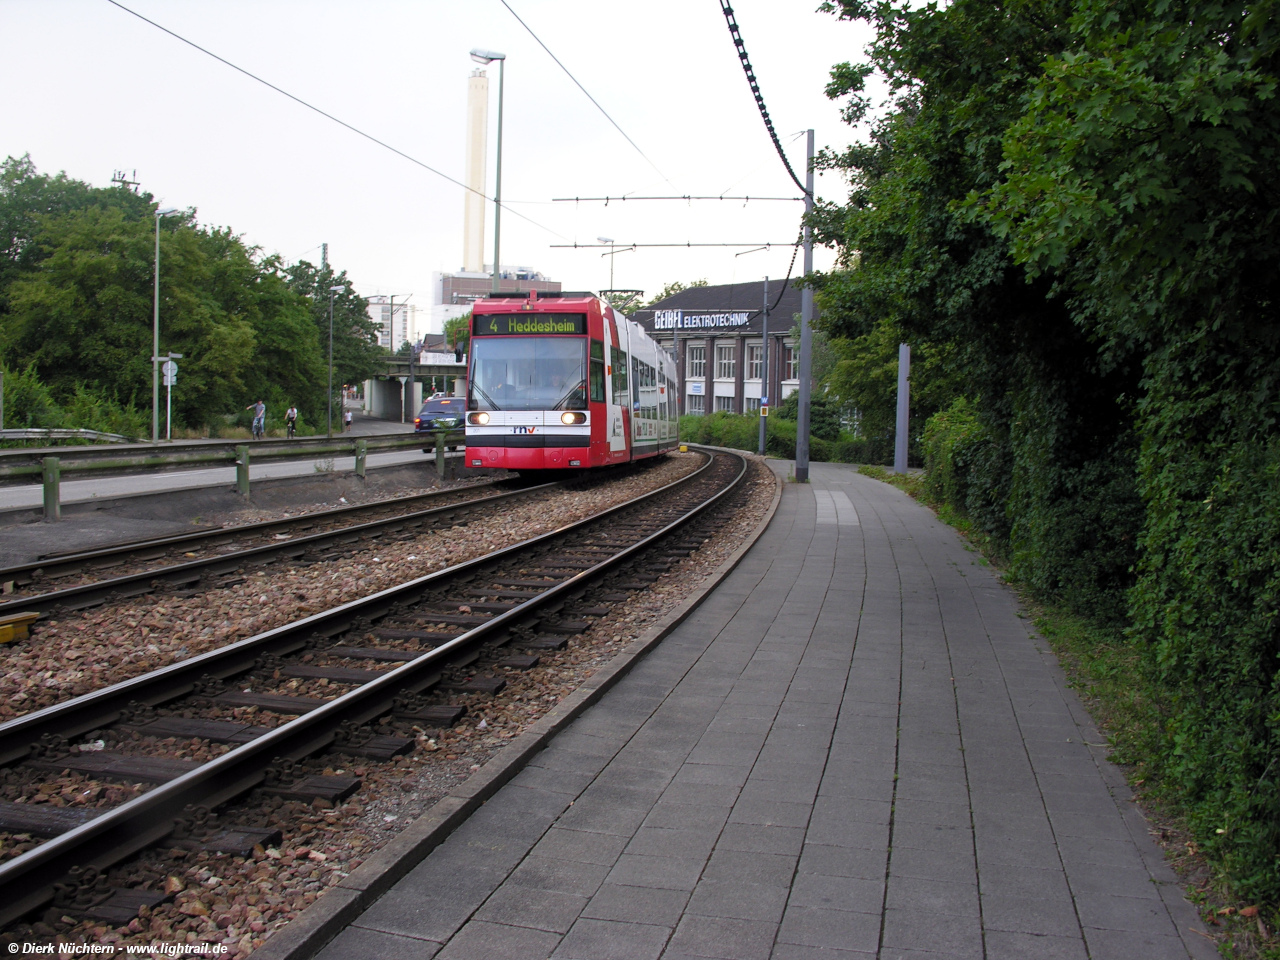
{"x":233,"y":841}
{"x":275,"y":702}
{"x":340,"y":674}
{"x":520,"y":662}
{"x":109,"y":765}
{"x":414,"y":707}
{"x":545,"y":643}
{"x":568,"y":627}
{"x":218,"y":731}
{"x":117,"y":907}
{"x":380,"y":653}
{"x":391,"y":633}
{"x":489,"y":685}
{"x":314,"y":787}
{"x":42,"y":820}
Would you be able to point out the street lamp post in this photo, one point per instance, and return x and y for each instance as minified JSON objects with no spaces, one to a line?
{"x":329,"y":424}
{"x":487,"y":57}
{"x":155,"y":336}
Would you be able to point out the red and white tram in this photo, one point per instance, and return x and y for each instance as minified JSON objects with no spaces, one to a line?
{"x":564,"y":381}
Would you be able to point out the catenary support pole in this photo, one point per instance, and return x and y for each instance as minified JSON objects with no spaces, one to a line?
{"x":904,"y":409}
{"x":806,"y":322}
{"x":764,"y":367}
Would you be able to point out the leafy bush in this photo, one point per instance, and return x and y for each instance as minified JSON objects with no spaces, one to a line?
{"x":741,"y":432}
{"x":28,"y":402}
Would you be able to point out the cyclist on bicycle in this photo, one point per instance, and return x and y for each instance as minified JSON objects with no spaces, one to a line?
{"x":259,"y":418}
{"x":291,"y":421}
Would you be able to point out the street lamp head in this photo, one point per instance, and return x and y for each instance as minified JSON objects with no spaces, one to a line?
{"x":486,"y":56}
{"x":338,"y":289}
{"x":605,"y":239}
{"x":165,"y":211}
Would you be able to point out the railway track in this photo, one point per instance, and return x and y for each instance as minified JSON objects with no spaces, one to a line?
{"x":63,"y":571}
{"x":343,"y":675}
{"x":210,"y":559}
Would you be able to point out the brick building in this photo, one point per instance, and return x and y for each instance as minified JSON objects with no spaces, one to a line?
{"x":716,"y":335}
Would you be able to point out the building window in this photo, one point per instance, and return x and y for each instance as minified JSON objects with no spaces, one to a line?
{"x":724,"y":362}
{"x":790,"y":363}
{"x":755,"y":362}
{"x":751,"y":404}
{"x":724,"y":403}
{"x":697,"y":362}
{"x":696,"y":404}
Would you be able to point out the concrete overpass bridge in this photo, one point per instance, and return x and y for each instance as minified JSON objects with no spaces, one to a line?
{"x":396,"y":391}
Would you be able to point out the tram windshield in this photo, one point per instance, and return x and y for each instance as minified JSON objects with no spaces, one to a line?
{"x":528,"y":373}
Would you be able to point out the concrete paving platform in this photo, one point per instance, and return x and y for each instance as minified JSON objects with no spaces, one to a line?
{"x":854,"y":748}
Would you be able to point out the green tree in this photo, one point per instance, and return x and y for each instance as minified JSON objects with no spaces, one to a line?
{"x":457,"y":333}
{"x":1056,"y":414}
{"x":356,"y":354}
{"x":1143,"y":173}
{"x":1077,"y":199}
{"x":670,"y":290}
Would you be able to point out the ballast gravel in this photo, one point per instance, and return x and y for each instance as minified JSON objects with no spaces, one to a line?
{"x":81,"y":652}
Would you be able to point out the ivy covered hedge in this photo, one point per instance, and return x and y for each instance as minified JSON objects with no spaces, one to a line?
{"x":1076,"y":203}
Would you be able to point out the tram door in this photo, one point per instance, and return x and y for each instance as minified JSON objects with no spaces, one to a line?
{"x":618,"y":389}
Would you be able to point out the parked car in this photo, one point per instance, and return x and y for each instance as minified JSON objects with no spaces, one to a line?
{"x":441,"y":413}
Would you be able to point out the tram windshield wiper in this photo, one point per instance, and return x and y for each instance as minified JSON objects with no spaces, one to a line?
{"x":576,"y":392}
{"x":488,"y":399}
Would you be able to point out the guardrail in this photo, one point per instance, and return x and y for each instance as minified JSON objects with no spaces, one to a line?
{"x":17,"y":465}
{"x":61,"y":433}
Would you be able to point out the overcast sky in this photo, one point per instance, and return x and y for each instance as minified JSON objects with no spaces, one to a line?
{"x":91,"y":89}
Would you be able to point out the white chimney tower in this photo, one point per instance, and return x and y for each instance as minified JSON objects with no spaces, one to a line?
{"x":477,"y":153}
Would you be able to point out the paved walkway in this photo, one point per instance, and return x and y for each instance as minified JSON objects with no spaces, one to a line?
{"x":852,"y":749}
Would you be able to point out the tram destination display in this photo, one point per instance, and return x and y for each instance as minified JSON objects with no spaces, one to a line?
{"x":509,"y":324}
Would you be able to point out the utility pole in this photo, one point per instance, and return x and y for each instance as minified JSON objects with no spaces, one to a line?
{"x":904,"y":406}
{"x":806,"y":320}
{"x":764,"y":368}
{"x":324,"y":257}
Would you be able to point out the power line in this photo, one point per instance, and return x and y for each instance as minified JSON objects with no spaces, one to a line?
{"x":591,"y":246}
{"x":608,"y":200}
{"x":327,"y":116}
{"x":584,"y":90}
{"x":755,"y":89}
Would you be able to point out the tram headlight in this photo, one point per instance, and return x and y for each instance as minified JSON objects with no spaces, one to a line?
{"x":569,"y":418}
{"x":479,"y":419}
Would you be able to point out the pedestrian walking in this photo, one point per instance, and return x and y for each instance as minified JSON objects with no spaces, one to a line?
{"x":346,"y":420}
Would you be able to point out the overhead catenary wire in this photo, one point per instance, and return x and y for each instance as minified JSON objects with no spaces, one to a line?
{"x":741,"y":46}
{"x":328,"y":116}
{"x":683,"y":196}
{"x":584,"y":90}
{"x":588,"y":246}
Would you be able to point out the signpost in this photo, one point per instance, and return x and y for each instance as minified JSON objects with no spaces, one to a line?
{"x":170,"y":371}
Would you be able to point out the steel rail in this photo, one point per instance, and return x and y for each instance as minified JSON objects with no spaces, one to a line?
{"x":52,"y":562}
{"x":133,"y":584}
{"x":26,"y":881}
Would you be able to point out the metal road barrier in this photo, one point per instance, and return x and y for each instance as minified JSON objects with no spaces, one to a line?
{"x":50,"y":464}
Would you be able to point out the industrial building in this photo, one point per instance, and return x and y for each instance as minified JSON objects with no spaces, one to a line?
{"x":716,"y":334}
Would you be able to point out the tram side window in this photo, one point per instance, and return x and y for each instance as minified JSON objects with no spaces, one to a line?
{"x":597,"y":372}
{"x":618,"y":360}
